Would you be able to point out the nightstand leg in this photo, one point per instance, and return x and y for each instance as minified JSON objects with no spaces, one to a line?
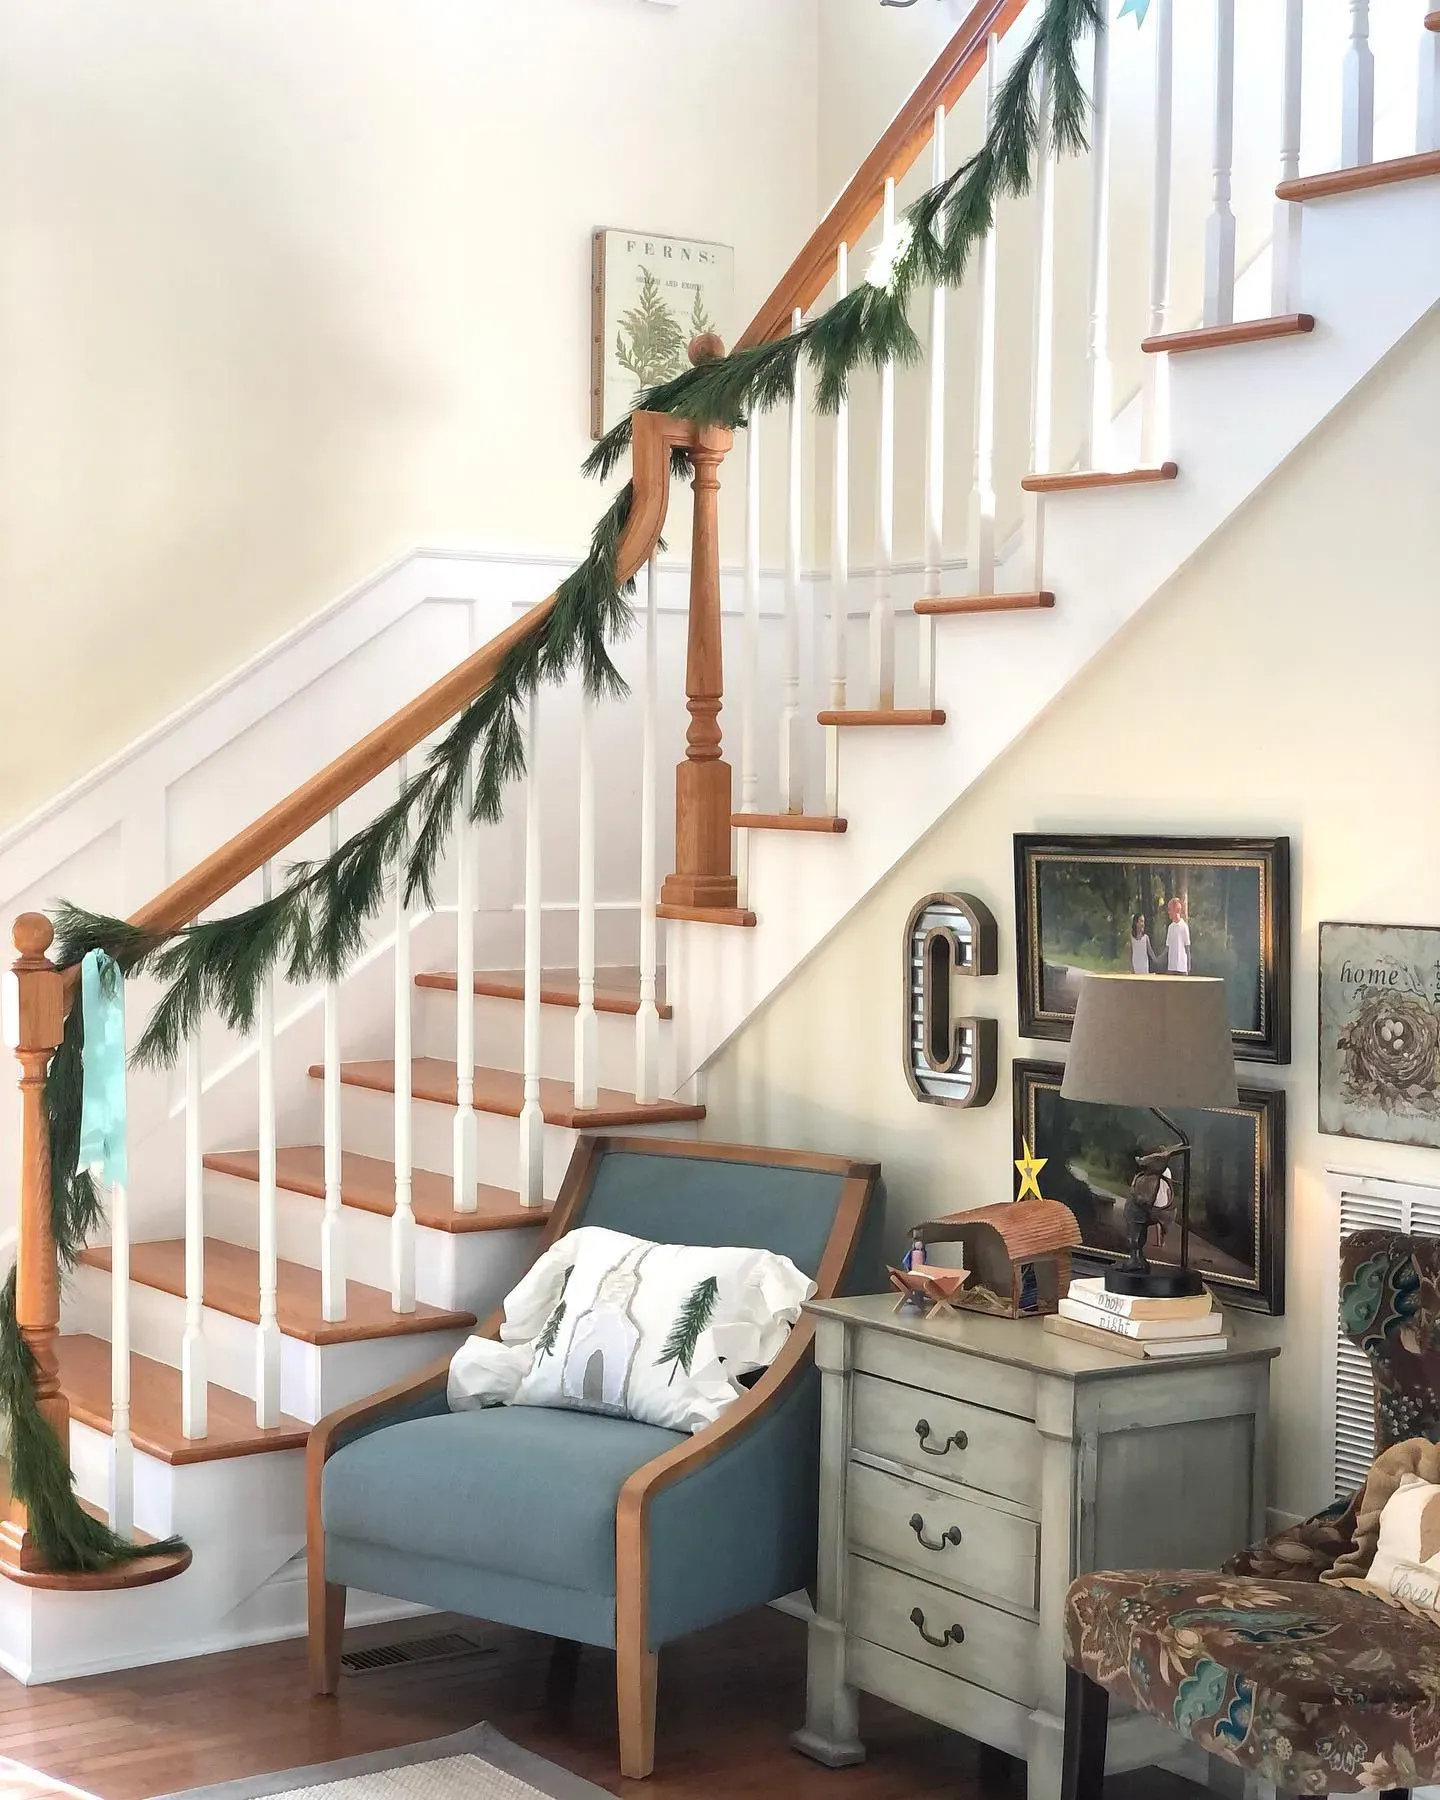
{"x":832,"y":1719}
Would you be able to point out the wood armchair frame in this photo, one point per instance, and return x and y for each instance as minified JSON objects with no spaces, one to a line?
{"x":636,"y":1663}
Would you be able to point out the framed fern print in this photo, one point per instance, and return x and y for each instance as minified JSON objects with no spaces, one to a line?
{"x":652,"y":295}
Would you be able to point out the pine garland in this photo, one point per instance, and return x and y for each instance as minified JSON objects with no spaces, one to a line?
{"x":316,"y":925}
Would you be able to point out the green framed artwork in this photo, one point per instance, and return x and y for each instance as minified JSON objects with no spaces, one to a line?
{"x":1237,"y":1182}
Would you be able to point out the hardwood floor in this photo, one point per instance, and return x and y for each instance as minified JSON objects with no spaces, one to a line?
{"x":728,"y":1699}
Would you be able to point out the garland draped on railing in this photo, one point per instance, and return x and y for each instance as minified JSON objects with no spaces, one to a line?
{"x":315,"y":926}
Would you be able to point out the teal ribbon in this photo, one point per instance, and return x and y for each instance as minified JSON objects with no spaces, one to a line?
{"x":1138,"y":7}
{"x":102,"y":1108}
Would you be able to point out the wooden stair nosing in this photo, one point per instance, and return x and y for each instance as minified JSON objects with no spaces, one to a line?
{"x":502,"y":1091}
{"x":1081,"y":480}
{"x":232,"y":1287}
{"x":1359,"y":179}
{"x":155,"y":1409}
{"x":1218,"y":337}
{"x":367,"y":1183}
{"x":984,"y":603}
{"x":1432,"y":21}
{"x":707,"y":915}
{"x":859,"y":717}
{"x":813,"y":822}
{"x":558,"y":987}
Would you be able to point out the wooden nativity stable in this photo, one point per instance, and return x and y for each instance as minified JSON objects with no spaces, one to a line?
{"x":1018,"y":1255}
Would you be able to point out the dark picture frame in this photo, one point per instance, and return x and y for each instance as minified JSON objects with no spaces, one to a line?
{"x":1077,"y":900}
{"x":1238,"y":1180}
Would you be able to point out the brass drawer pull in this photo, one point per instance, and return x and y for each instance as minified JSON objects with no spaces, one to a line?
{"x":946,"y":1539}
{"x":957,"y":1441}
{"x":955,"y":1635}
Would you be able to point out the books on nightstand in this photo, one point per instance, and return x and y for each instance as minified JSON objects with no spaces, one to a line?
{"x":1138,"y":1326}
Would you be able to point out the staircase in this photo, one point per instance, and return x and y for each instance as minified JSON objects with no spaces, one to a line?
{"x":332,"y":1206}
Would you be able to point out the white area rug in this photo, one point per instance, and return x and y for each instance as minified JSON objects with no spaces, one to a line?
{"x":477,"y":1764}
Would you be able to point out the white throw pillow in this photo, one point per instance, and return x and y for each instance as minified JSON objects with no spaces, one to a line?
{"x":1406,"y":1566}
{"x":656,"y":1332}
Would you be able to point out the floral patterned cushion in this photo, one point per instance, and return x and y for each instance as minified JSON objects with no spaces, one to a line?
{"x":1311,"y":1687}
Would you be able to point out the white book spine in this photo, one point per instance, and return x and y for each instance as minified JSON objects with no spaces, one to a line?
{"x":1207,"y":1325}
{"x":1092,"y":1291}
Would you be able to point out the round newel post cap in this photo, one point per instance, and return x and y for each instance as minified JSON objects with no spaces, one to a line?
{"x":33,"y":934}
{"x":706,"y":348}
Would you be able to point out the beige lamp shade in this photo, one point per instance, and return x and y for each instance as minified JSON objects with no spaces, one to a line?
{"x":1151,"y":1040}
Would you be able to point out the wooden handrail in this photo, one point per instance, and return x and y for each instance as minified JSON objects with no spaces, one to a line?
{"x":959,"y":63}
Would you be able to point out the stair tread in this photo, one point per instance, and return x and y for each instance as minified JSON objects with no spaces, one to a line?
{"x":502,"y":1091}
{"x":819,"y":823}
{"x":1218,"y":337}
{"x":616,"y":990}
{"x":368,"y":1184}
{"x":1078,"y":480}
{"x":1357,"y":180}
{"x":985,"y":603}
{"x":901,"y":715}
{"x":232,"y":1277}
{"x":155,"y":1408}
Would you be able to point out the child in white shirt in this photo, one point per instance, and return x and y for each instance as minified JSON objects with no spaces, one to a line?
{"x":1177,"y":940}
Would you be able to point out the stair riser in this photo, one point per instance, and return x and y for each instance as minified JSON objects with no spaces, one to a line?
{"x":469,"y":1271}
{"x":314,"y":1380}
{"x":500,"y":1038}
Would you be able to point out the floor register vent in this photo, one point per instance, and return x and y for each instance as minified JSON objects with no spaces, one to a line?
{"x":439,"y":1648}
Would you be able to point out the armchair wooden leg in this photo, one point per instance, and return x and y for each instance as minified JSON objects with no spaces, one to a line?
{"x":327,"y":1635}
{"x":1087,"y":1722}
{"x":636,"y":1671}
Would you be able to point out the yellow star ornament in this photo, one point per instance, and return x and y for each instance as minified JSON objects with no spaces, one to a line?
{"x":1029,"y":1167}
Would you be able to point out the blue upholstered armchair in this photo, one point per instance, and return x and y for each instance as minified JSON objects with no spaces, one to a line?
{"x":591,"y":1529}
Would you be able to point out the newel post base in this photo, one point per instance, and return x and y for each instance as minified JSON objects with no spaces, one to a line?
{"x":704,"y":874}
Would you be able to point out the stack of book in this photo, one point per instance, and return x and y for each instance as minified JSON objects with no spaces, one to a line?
{"x":1135,"y":1325}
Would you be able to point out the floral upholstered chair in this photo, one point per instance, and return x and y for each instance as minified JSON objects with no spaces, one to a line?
{"x":1312,"y":1688}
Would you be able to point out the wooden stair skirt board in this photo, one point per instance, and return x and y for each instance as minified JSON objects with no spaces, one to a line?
{"x":503,"y":1091}
{"x":1368,"y":175}
{"x":983,"y":603}
{"x":1080,"y":480}
{"x":232,"y":1285}
{"x":368,"y":1184}
{"x":854,"y":716}
{"x":155,"y":1412}
{"x":1216,"y":337}
{"x":616,"y":990}
{"x":707,"y":915}
{"x":789,"y":822}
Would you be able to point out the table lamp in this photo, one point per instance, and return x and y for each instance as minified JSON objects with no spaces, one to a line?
{"x":1162,"y":1042}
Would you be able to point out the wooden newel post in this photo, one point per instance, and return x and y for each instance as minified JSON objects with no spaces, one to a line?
{"x":703,"y":799}
{"x":36,"y":1004}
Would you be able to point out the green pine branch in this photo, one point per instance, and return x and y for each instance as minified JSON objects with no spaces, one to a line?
{"x":690,"y":1322}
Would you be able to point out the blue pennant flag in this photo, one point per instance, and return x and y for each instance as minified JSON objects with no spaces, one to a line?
{"x":102,"y":1106}
{"x":1138,"y":7}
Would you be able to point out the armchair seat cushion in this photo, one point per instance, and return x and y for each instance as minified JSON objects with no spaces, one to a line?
{"x":1314,"y":1688}
{"x":511,"y":1491}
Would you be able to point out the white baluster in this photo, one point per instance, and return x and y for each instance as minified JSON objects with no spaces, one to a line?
{"x":532,"y":1117}
{"x":792,"y":776}
{"x":194,"y":1389}
{"x":882,"y":608}
{"x":1095,"y":451}
{"x":402,"y":1222}
{"x":1155,"y":404}
{"x":839,"y":566}
{"x":1357,"y":116}
{"x":749,"y":656}
{"x":1042,"y":347}
{"x":332,"y":1225}
{"x":1220,"y":228}
{"x":647,"y":1020}
{"x":1427,"y":112}
{"x":981,"y":551}
{"x":1285,"y":253}
{"x":934,"y":445}
{"x":267,"y":1335}
{"x":122,"y":1451}
{"x":587,"y":1025}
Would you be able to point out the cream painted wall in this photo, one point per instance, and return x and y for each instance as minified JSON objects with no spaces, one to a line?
{"x":290,"y":286}
{"x":1284,"y":683}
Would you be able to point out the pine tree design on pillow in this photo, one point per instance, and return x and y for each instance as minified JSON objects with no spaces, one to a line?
{"x":545,"y":1343}
{"x":690,"y":1322}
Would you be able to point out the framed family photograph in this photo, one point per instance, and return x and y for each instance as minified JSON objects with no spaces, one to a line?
{"x":1380,"y":1032}
{"x":1156,"y":906}
{"x":1237,"y":1180}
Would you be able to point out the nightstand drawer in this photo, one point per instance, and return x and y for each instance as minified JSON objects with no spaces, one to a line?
{"x":935,"y":1435}
{"x":961,"y":1637}
{"x":943,"y":1537}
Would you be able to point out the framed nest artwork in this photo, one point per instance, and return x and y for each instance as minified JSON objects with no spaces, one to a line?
{"x":1380,"y":1032}
{"x":1237,"y":1192}
{"x":1157,"y":906}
